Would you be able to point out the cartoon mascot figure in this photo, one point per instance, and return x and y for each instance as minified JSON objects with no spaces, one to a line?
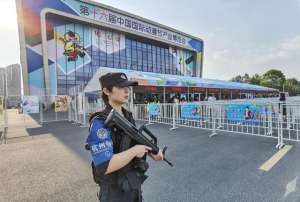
{"x":71,"y":46}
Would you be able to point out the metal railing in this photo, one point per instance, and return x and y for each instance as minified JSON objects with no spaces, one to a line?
{"x":267,"y":117}
{"x":263,"y":118}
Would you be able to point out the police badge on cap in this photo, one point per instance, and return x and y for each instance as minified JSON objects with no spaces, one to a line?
{"x":118,"y":79}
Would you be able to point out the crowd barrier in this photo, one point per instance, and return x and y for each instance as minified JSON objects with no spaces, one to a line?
{"x":260,"y":117}
{"x":264,"y":118}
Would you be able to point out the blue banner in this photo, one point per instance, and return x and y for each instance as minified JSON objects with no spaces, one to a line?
{"x":242,"y":113}
{"x":154,"y":109}
{"x":190,"y":111}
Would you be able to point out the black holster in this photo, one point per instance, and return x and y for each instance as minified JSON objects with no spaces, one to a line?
{"x":95,"y":176}
{"x":134,"y":177}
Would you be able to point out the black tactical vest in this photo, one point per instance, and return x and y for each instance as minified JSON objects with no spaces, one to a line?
{"x":130,"y":176}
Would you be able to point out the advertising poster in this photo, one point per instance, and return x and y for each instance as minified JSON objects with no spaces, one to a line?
{"x":154,"y":109}
{"x":61,"y":103}
{"x":242,"y":112}
{"x":190,"y":111}
{"x":30,"y":104}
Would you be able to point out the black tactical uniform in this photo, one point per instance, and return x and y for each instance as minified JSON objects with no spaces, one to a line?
{"x":124,"y":184}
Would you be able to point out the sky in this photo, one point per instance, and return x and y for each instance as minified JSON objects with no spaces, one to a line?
{"x":240,"y":36}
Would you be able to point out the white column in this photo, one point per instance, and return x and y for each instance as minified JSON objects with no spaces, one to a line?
{"x":175,"y":110}
{"x":188,"y":98}
{"x":76,"y":107}
{"x":164,"y":94}
{"x":84,"y":110}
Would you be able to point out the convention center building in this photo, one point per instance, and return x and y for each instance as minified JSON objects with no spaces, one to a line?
{"x":70,"y":43}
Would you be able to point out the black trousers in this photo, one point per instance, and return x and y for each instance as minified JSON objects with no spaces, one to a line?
{"x":112,"y":193}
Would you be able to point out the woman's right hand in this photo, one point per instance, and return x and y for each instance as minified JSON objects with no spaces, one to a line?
{"x":140,"y":150}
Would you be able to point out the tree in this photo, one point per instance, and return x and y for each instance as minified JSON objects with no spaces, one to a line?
{"x":241,"y":79}
{"x":238,"y":78}
{"x":255,"y":79}
{"x":246,"y":78}
{"x":274,"y":79}
{"x":291,"y":86}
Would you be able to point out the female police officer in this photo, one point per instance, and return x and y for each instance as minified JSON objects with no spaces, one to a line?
{"x":119,"y":163}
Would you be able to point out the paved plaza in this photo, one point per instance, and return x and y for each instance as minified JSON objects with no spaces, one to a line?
{"x":49,"y":163}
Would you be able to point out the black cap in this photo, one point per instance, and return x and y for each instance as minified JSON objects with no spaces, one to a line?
{"x":117,"y":79}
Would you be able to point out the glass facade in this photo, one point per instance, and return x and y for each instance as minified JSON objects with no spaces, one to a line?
{"x":150,"y":57}
{"x":108,"y":48}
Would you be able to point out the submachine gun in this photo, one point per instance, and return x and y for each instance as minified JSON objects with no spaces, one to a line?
{"x":115,"y":119}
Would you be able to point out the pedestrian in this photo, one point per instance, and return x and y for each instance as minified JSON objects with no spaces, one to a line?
{"x":118,"y":163}
{"x":176,"y":100}
{"x":282,"y":103}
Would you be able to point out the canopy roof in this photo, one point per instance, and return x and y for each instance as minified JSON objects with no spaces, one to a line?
{"x":155,"y":79}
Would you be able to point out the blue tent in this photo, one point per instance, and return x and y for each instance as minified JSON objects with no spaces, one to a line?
{"x":155,"y":79}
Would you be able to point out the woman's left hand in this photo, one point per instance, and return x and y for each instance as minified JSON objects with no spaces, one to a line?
{"x":158,"y":157}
